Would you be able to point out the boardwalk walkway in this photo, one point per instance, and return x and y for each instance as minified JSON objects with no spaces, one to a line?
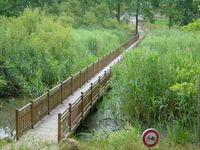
{"x":47,"y":128}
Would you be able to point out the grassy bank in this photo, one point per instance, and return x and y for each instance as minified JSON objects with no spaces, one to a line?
{"x":156,"y":84}
{"x":126,"y":139}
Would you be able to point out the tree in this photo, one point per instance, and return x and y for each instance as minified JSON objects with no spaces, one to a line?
{"x":180,"y":12}
{"x":141,"y":7}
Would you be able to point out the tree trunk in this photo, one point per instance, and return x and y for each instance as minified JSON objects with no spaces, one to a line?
{"x":136,"y":17}
{"x":118,"y":10}
{"x":136,"y":23}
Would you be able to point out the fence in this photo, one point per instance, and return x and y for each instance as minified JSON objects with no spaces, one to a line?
{"x":32,"y":113}
{"x":76,"y":112}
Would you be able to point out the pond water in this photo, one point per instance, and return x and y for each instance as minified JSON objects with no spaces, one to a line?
{"x":7,"y":115}
{"x":100,"y":120}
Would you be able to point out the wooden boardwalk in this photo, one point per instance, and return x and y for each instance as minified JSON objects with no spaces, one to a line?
{"x":47,"y":128}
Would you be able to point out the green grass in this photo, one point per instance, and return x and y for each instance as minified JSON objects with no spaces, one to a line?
{"x":125,"y":139}
{"x":130,"y":139}
{"x":156,"y":84}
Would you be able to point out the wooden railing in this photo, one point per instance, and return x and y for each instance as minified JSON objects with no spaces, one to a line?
{"x":70,"y":119}
{"x":32,"y":113}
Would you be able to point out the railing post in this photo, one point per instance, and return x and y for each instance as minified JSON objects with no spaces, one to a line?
{"x":80,"y":78}
{"x":105,"y":76}
{"x":87,"y":73}
{"x":93,"y":69}
{"x":91,"y":98}
{"x":71,"y":85}
{"x":70,"y":117}
{"x":17,"y":124}
{"x":118,"y":61}
{"x":61,"y":92}
{"x":48,"y":101}
{"x":59,"y":127}
{"x":106,"y":60}
{"x":99,"y":81}
{"x":32,"y":112}
{"x":82,"y":109}
{"x":98,"y":65}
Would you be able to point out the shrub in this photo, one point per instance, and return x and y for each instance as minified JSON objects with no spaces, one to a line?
{"x":192,"y":27}
{"x":38,"y":50}
{"x":89,"y":19}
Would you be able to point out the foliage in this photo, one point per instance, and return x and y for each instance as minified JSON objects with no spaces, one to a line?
{"x":180,"y":12}
{"x":130,"y":138}
{"x":158,"y":81}
{"x":192,"y":27}
{"x":37,"y":50}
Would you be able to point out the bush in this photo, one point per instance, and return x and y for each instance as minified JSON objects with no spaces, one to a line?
{"x":38,"y":50}
{"x":192,"y":27}
{"x":89,"y":19}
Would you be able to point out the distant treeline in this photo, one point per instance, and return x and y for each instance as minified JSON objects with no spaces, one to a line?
{"x":179,"y":12}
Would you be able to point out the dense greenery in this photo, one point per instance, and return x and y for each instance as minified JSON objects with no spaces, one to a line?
{"x":37,"y":50}
{"x":192,"y":27}
{"x":157,"y":82}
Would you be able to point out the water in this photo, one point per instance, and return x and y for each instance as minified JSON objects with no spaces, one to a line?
{"x":7,"y":115}
{"x":100,"y":120}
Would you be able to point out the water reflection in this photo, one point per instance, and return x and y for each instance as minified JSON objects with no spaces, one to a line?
{"x":6,"y":132}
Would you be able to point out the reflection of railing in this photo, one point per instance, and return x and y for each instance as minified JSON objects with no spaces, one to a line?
{"x":32,"y":113}
{"x":75,"y":113}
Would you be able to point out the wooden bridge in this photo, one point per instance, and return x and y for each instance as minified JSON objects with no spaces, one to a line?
{"x":58,"y":112}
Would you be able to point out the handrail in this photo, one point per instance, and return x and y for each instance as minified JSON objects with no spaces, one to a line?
{"x":85,"y":100}
{"x":36,"y":110}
